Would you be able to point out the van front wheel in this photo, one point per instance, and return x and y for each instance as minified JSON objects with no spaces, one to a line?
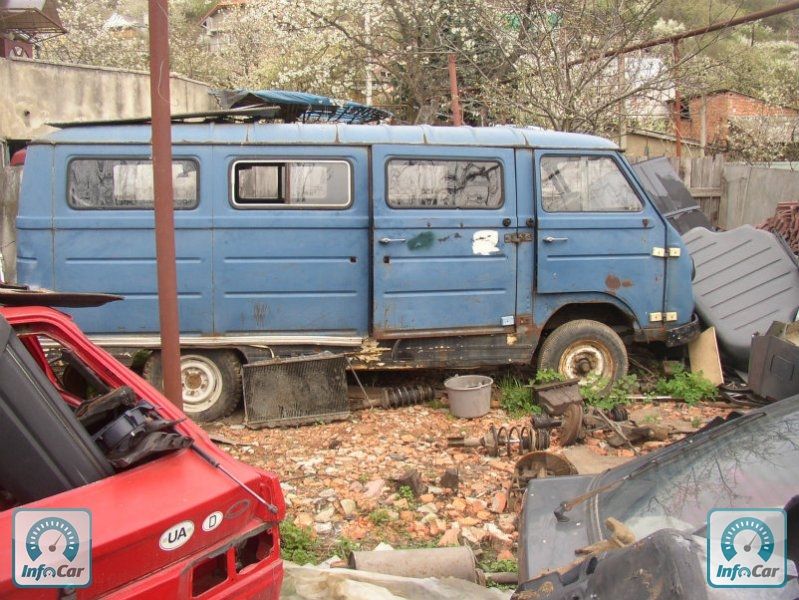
{"x":211,"y":381}
{"x":585,"y":350}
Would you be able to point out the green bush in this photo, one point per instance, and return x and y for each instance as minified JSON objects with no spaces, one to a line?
{"x":691,"y":387}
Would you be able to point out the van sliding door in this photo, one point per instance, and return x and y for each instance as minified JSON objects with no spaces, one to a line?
{"x":441,"y":262}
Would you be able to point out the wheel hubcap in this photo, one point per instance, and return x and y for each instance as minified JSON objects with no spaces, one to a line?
{"x":202,"y":383}
{"x":584,"y":359}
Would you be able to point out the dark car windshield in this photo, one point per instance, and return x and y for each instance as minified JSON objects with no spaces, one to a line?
{"x":754,"y":464}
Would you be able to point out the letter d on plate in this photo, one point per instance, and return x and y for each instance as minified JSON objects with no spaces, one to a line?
{"x":177,"y":535}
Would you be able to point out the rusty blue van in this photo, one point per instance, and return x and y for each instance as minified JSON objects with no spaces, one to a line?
{"x":406,"y":246}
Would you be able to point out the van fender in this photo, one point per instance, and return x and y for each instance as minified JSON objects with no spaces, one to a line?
{"x":581,"y":305}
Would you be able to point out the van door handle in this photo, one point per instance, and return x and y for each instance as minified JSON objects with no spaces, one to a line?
{"x":386,"y":240}
{"x":549,"y":239}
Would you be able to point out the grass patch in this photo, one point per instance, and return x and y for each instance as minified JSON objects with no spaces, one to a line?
{"x":379,"y":516}
{"x":594,"y":393}
{"x":690,"y":387}
{"x":405,"y":492}
{"x":298,"y":545}
{"x":547,"y":376}
{"x":516,"y":397}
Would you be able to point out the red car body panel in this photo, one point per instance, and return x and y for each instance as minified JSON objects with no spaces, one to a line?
{"x":132,"y":509}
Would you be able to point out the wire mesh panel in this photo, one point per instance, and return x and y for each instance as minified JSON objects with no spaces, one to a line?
{"x":295,"y":391}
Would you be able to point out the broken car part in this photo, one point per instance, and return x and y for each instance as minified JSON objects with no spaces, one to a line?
{"x":774,"y":362}
{"x":397,"y":397}
{"x":662,"y":566}
{"x":745,"y":280}
{"x":295,"y":391}
{"x":58,"y":453}
{"x":536,"y":465}
{"x":562,"y":399}
{"x":512,"y":439}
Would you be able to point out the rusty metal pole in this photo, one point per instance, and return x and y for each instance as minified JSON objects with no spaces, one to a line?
{"x":677,"y":102}
{"x":164,"y":208}
{"x":457,"y":117}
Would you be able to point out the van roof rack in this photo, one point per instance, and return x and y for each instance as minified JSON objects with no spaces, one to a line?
{"x":233,"y":115}
{"x":251,"y":106}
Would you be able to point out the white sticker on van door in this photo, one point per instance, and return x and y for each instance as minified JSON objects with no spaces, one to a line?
{"x":485,"y":242}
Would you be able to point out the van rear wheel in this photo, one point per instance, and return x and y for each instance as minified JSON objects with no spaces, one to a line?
{"x":586,"y":350}
{"x":211,"y":381}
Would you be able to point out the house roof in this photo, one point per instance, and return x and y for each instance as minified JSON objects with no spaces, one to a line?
{"x":220,"y":5}
{"x":30,"y":17}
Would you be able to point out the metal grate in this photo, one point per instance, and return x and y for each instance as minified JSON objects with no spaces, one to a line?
{"x":295,"y":391}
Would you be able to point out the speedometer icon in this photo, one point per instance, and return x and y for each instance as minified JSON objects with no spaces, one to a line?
{"x":53,"y":535}
{"x":744,"y":534}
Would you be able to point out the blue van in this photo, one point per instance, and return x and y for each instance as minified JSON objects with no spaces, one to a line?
{"x":406,"y":246}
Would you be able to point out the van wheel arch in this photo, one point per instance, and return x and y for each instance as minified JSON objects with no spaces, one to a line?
{"x":211,"y":381}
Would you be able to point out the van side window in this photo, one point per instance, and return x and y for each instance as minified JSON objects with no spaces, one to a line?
{"x":425,"y":183}
{"x":123,"y":183}
{"x":292,"y":184}
{"x":585,"y":184}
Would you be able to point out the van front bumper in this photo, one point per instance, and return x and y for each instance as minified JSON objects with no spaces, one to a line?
{"x":674,"y":336}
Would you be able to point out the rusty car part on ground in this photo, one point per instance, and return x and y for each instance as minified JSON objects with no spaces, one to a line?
{"x":785,"y":222}
{"x":513,"y":439}
{"x":562,"y":399}
{"x":295,"y":391}
{"x":536,"y":465}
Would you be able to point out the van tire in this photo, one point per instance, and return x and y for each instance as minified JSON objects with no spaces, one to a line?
{"x":583,"y":347}
{"x":211,"y":381}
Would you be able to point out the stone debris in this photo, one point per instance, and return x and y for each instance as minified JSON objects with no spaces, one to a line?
{"x":344,"y":480}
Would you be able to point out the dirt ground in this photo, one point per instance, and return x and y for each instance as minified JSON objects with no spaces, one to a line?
{"x":339,"y":478}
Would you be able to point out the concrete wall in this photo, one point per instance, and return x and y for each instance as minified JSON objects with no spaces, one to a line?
{"x":33,"y":93}
{"x":10,"y":178}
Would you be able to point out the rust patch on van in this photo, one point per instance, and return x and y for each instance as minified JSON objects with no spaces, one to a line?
{"x":613,"y":283}
{"x":259,"y":313}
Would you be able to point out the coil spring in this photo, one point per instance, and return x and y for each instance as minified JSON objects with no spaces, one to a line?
{"x":523,"y":439}
{"x":407,"y":395}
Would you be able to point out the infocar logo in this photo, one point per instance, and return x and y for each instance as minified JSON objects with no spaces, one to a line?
{"x":747,"y":548}
{"x":52,"y":548}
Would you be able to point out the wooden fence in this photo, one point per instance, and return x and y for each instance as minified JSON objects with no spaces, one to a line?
{"x":10,"y":178}
{"x":734,"y":194}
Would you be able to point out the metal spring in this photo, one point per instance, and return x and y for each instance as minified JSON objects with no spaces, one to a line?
{"x":522,"y":439}
{"x":407,"y":395}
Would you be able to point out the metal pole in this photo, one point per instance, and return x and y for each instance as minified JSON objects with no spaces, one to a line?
{"x":677,"y":101}
{"x":164,"y":209}
{"x":751,"y":17}
{"x":457,"y":117}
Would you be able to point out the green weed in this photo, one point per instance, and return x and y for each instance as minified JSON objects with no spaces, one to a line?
{"x":298,"y":545}
{"x":517,"y":398}
{"x":547,"y":376}
{"x":594,"y":393}
{"x":379,"y":516}
{"x":691,"y":387}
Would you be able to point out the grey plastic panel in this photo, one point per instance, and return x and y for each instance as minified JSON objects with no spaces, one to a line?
{"x":745,"y":280}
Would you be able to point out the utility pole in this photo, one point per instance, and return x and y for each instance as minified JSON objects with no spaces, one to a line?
{"x":677,"y":112}
{"x":457,"y":116}
{"x":164,"y":205}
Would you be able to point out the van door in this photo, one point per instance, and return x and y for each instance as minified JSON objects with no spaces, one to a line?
{"x":597,"y":231}
{"x":444,"y":261}
{"x":291,"y":241}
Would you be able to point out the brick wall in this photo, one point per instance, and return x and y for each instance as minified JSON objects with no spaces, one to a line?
{"x":718,"y":110}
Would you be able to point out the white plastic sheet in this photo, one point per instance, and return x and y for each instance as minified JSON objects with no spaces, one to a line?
{"x":315,"y":583}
